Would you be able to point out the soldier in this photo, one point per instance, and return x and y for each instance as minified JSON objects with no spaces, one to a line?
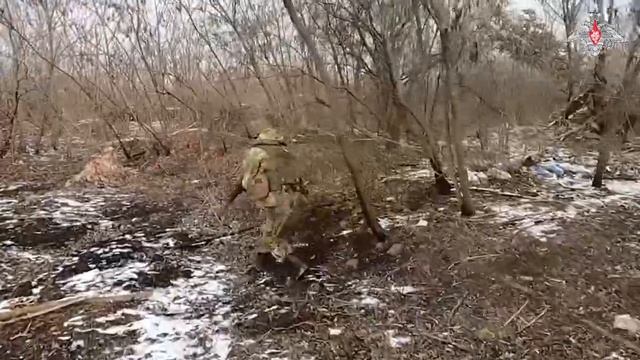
{"x":270,"y":178}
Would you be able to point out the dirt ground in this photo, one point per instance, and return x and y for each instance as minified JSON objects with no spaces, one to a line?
{"x":483,"y":287}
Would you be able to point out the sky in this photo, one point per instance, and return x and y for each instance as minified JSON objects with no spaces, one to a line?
{"x":518,"y":5}
{"x":535,"y":4}
{"x":523,"y":4}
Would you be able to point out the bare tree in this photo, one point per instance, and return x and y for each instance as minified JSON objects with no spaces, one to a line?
{"x":619,"y":107}
{"x":452,"y":43}
{"x":566,"y":11}
{"x":367,"y":210}
{"x":17,"y":59}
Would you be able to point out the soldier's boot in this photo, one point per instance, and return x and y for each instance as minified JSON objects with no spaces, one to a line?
{"x":260,"y":258}
{"x":301,"y":265}
{"x":380,"y":245}
{"x":284,"y":248}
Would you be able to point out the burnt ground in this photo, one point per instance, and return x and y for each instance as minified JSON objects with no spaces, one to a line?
{"x":476,"y":288}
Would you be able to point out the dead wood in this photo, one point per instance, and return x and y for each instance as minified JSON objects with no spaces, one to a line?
{"x":367,"y":210}
{"x":32,"y":311}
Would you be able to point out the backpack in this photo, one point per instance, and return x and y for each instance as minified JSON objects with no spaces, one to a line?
{"x":268,"y":168}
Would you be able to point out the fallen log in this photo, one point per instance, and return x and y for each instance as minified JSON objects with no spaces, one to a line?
{"x":32,"y":311}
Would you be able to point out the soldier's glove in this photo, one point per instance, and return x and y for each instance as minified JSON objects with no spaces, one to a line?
{"x":301,"y":186}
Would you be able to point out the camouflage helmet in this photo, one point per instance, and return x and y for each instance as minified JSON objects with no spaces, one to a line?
{"x":270,"y":135}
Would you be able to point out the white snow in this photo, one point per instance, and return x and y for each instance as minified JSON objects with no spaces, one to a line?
{"x":397,"y":341}
{"x":103,"y":281}
{"x":168,"y":325}
{"x":403,"y":220}
{"x":187,"y":319}
{"x":63,"y":207}
{"x":404,"y":289}
{"x":367,"y":301}
{"x":542,"y":219}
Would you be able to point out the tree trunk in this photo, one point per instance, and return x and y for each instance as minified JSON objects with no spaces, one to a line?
{"x":16,"y":49}
{"x":365,"y":202}
{"x":457,"y":150}
{"x":616,"y":108}
{"x":570,"y":81}
{"x":604,"y":153}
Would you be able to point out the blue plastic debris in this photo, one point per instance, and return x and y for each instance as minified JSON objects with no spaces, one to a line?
{"x":543,"y":173}
{"x":554,"y":168}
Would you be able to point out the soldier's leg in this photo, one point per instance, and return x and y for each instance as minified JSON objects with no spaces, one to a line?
{"x":264,"y":247}
{"x":283,"y":214}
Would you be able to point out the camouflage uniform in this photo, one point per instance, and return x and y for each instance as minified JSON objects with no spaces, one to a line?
{"x":271,"y":179}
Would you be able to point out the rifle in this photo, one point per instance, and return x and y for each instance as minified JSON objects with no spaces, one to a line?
{"x":237,"y":190}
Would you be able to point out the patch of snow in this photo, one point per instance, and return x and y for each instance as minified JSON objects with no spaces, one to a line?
{"x":402,"y":220}
{"x":495,"y":173}
{"x":176,"y":322}
{"x":623,"y":187}
{"x":627,"y":322}
{"x":404,"y":289}
{"x":572,"y":182}
{"x":77,"y":344}
{"x":615,"y":356}
{"x":385,"y":223}
{"x":13,"y":302}
{"x":105,"y":281}
{"x":397,"y":341}
{"x":335,"y":331}
{"x":64,"y":208}
{"x":74,"y":321}
{"x":367,"y":301}
{"x":419,"y":174}
{"x":477,"y":177}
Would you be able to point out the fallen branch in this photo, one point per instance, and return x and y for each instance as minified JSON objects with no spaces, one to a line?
{"x":516,"y":313}
{"x":455,"y":309}
{"x":218,"y":237}
{"x":534,"y":320}
{"x":448,"y":342}
{"x":510,"y":194}
{"x":32,"y":311}
{"x":471,"y":258}
{"x":523,"y":228}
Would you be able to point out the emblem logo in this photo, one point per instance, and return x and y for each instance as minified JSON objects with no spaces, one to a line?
{"x":595,"y":34}
{"x":591,"y":37}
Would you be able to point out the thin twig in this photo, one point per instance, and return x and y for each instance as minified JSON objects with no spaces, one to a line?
{"x":455,"y":308}
{"x":510,"y":194}
{"x":448,"y":342}
{"x":518,"y":287}
{"x":534,"y":320}
{"x":28,"y":312}
{"x":471,"y":258}
{"x":22,"y":333}
{"x":516,"y":313}
{"x":296,"y":325}
{"x":212,"y":239}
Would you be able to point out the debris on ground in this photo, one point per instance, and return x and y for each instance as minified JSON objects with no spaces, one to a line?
{"x":546,"y":258}
{"x":103,"y":169}
{"x":627,"y":322}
